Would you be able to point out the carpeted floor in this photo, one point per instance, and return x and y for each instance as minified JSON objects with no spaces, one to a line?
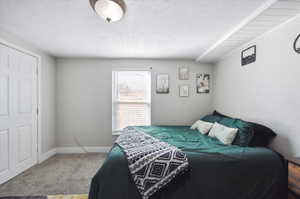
{"x":61,"y":174}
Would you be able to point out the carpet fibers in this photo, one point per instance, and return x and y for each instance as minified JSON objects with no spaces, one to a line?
{"x":61,"y":174}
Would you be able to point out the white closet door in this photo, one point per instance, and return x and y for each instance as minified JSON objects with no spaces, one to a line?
{"x":18,"y":116}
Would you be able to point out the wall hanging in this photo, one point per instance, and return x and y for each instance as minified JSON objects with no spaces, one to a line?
{"x":183,"y":73}
{"x":202,"y":83}
{"x":248,"y":55}
{"x":184,"y":90}
{"x":162,"y":84}
{"x":297,"y":44}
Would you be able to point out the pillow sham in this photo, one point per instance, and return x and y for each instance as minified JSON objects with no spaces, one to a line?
{"x":245,"y":130}
{"x":262,"y":135}
{"x":245,"y":133}
{"x":202,"y":126}
{"x":225,"y":134}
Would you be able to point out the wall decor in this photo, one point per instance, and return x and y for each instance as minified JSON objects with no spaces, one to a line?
{"x":248,"y":55}
{"x":183,"y":73}
{"x":202,"y":83}
{"x":184,"y":90}
{"x":297,"y":44}
{"x":162,"y":84}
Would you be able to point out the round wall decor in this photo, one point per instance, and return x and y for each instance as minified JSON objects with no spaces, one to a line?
{"x":297,"y":44}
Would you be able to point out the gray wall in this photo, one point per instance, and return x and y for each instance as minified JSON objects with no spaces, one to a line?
{"x":266,"y":91}
{"x":84,"y":98}
{"x":48,"y":85}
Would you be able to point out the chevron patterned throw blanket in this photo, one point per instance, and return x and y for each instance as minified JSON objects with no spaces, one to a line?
{"x":152,"y":163}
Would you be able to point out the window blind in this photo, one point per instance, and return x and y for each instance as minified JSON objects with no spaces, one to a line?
{"x":131,"y":99}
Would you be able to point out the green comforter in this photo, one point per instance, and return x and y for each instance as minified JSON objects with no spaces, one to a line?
{"x":216,"y":171}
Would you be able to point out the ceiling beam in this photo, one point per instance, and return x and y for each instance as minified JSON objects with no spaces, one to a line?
{"x":243,"y":23}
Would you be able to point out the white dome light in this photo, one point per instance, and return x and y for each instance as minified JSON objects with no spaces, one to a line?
{"x":110,"y":10}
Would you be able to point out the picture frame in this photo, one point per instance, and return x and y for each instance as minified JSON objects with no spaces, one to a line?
{"x":202,"y":83}
{"x":183,"y":73}
{"x":248,"y":55}
{"x":162,"y":84}
{"x":184,"y":90}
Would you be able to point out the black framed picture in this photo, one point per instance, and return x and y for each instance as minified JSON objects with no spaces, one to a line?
{"x":297,"y":44}
{"x":248,"y":55}
{"x":202,"y":83}
{"x":162,"y":84}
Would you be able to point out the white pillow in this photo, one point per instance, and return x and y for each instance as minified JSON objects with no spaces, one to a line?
{"x":223,"y":133}
{"x":202,"y":126}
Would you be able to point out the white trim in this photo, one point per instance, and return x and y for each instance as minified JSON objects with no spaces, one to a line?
{"x":131,"y":69}
{"x":80,"y":150}
{"x":116,"y":102}
{"x":132,"y":102}
{"x":116,"y":132}
{"x":73,"y":150}
{"x":47,"y":155}
{"x":243,"y":23}
{"x":256,"y":38}
{"x":39,"y":102}
{"x":39,"y":93}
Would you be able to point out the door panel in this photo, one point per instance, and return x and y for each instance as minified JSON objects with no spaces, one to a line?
{"x":4,"y":151}
{"x":24,"y":143}
{"x":25,"y":95}
{"x":4,"y":95}
{"x":18,"y":118}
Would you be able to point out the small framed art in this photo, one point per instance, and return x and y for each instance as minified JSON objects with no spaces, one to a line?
{"x":162,"y":84}
{"x":183,"y":73}
{"x":202,"y":83}
{"x":184,"y":90}
{"x":248,"y":55}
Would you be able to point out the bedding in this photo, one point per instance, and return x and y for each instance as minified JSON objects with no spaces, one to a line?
{"x":245,"y":130}
{"x":225,"y":134}
{"x":262,"y":135}
{"x":202,"y":126}
{"x":216,"y":171}
{"x":152,"y":163}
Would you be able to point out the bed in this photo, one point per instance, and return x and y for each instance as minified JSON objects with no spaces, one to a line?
{"x":217,"y":171}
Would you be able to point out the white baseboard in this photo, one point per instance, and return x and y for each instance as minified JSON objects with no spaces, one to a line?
{"x":73,"y":150}
{"x":78,"y":150}
{"x":47,"y":155}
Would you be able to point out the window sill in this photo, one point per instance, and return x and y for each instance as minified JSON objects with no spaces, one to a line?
{"x":116,"y":133}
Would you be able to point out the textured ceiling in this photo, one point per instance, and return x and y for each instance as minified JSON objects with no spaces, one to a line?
{"x":150,"y":29}
{"x":278,"y":13}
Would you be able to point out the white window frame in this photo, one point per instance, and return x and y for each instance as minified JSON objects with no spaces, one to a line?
{"x":114,"y":94}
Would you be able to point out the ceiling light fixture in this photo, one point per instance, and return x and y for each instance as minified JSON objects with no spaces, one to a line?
{"x":110,"y":10}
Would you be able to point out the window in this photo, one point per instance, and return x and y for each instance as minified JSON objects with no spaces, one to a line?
{"x":131,"y":99}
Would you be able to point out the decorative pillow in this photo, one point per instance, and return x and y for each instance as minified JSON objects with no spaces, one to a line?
{"x":262,"y":135}
{"x":202,"y":126}
{"x":245,"y":133}
{"x":224,"y":134}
